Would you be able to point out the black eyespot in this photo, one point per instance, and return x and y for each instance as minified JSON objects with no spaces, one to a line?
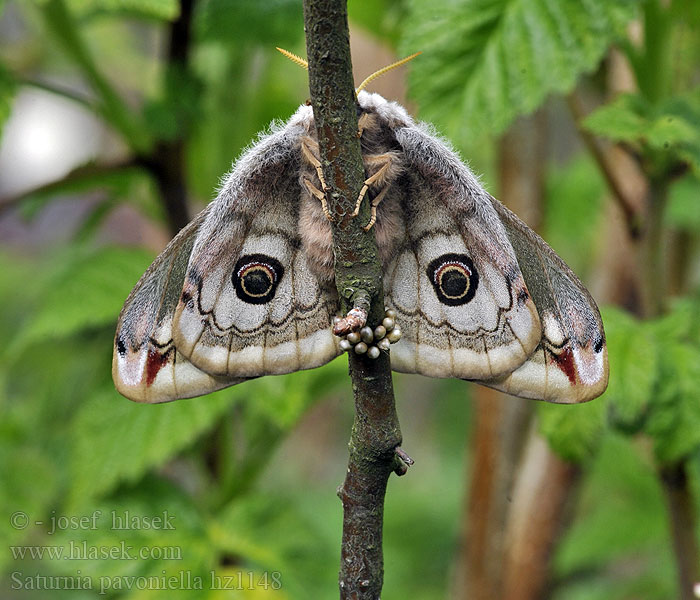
{"x":599,"y":344}
{"x":454,"y":278}
{"x":121,"y":347}
{"x":256,"y":277}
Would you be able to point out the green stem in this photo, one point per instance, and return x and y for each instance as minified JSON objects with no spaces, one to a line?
{"x":652,"y":250}
{"x":60,"y":22}
{"x":653,"y":65}
{"x":673,"y":477}
{"x":607,"y":167}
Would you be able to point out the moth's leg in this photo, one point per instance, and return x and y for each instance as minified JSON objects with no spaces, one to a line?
{"x":379,"y":197}
{"x":365,"y":120}
{"x":369,"y":181}
{"x":314,"y":191}
{"x":379,"y":178}
{"x":314,"y":162}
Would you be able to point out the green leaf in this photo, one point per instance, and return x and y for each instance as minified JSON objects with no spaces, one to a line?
{"x":158,"y":9}
{"x":683,"y":210}
{"x":633,"y":356}
{"x":21,"y":468}
{"x":381,"y":18}
{"x":669,"y":129}
{"x":675,"y":419}
{"x":686,"y":11}
{"x":287,"y":398}
{"x":115,"y":440}
{"x":681,"y":324}
{"x":574,"y":431}
{"x":242,"y":94}
{"x":682,"y":113}
{"x":172,"y":116}
{"x":153,"y":530}
{"x":624,"y":119}
{"x":273,"y":535}
{"x":633,"y":352}
{"x":119,"y":181}
{"x":87,"y":292}
{"x":672,"y":129}
{"x":620,"y":517}
{"x":486,"y":61}
{"x":275,"y":405}
{"x":18,"y":285}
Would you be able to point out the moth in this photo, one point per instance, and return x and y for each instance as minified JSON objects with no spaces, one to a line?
{"x":247,"y":288}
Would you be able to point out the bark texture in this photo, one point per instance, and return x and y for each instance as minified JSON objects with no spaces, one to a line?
{"x":375,"y":433}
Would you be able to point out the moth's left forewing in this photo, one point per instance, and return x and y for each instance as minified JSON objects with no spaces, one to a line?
{"x":250,"y":305}
{"x":548,"y":342}
{"x":570,"y":364}
{"x":461,"y":299}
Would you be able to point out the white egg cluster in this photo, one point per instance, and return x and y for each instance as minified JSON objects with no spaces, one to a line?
{"x":369,"y":341}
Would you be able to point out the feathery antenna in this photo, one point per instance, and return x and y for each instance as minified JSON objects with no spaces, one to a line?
{"x":294,"y":58}
{"x":376,"y":74}
{"x":302,"y":63}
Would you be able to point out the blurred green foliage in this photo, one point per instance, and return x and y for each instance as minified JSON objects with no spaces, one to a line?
{"x":665,"y":132}
{"x":616,"y":548}
{"x":229,"y":467}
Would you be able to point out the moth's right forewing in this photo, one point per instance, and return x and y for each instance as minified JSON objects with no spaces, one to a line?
{"x":146,"y":365}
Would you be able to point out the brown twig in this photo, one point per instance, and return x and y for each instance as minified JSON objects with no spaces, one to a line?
{"x":681,"y":510}
{"x":633,"y":218}
{"x":375,"y":433}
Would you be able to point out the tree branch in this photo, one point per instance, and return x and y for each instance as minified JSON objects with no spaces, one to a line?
{"x":375,"y":433}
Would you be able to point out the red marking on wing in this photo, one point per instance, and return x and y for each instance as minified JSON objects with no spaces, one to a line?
{"x":154,"y":363}
{"x":565,"y":361}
